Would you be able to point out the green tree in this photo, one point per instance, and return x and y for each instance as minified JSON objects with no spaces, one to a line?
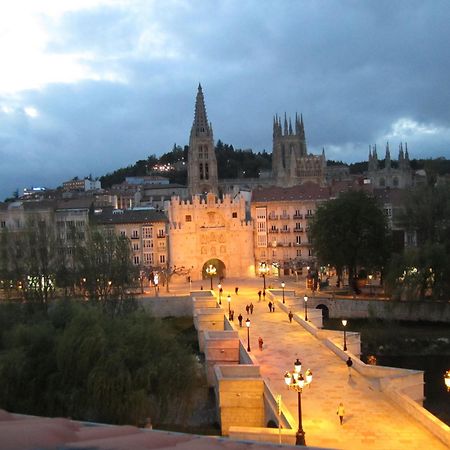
{"x":424,"y":270}
{"x":350,"y":232}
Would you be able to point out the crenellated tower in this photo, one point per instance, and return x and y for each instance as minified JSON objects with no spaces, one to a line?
{"x":291,"y":164}
{"x":202,"y":162}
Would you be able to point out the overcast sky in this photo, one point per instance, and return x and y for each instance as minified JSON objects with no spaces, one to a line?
{"x":88,"y":86}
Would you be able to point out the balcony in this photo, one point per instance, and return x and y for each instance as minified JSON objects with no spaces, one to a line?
{"x":273,"y":217}
{"x":297,"y":216}
{"x":161,"y":236}
{"x":285,"y":217}
{"x":298,"y":230}
{"x":285,"y":230}
{"x":273,"y":230}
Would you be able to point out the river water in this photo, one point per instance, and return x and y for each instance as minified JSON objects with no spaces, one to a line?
{"x":409,"y":345}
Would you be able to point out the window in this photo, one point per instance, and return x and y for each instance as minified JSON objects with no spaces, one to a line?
{"x":299,"y":252}
{"x":147,"y":243}
{"x":298,"y":240}
{"x":188,"y":218}
{"x":123,"y":233}
{"x":310,"y":252}
{"x":234,"y":215}
{"x":201,"y":171}
{"x":136,"y":260}
{"x":309,"y":212}
{"x":160,"y":232}
{"x":3,"y":224}
{"x":147,"y":232}
{"x":148,"y":258}
{"x":135,"y":234}
{"x":135,"y":246}
{"x":162,"y":259}
{"x":206,"y":171}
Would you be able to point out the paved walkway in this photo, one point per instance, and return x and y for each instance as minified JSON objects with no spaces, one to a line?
{"x":371,"y":422}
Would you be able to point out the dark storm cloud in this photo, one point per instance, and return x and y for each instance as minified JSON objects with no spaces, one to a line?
{"x":360,"y":72}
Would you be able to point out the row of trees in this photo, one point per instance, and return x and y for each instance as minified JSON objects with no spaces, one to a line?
{"x":352,"y":233}
{"x":36,"y":263}
{"x":74,"y":360}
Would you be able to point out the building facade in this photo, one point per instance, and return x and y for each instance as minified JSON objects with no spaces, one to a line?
{"x":146,"y":229}
{"x":208,"y":230}
{"x":280,"y":217}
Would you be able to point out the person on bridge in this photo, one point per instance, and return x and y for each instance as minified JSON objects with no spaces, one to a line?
{"x":270,"y":306}
{"x":240,"y":319}
{"x":259,"y":296}
{"x":236,"y":290}
{"x":251,"y":308}
{"x":340,"y":412}
{"x":290,"y":315}
{"x":349,"y":363}
{"x":260,"y":342}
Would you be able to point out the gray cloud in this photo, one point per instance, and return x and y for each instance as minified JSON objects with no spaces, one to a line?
{"x":356,"y":70}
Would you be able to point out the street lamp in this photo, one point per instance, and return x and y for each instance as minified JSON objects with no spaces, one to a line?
{"x":263,"y":270}
{"x":447,"y":380}
{"x":344,"y":323}
{"x":297,"y":382}
{"x":282,"y":287}
{"x":229,"y":306}
{"x":370,"y":284}
{"x":305,"y":298}
{"x":211,"y":271}
{"x":247,"y":323}
{"x":220,"y":293}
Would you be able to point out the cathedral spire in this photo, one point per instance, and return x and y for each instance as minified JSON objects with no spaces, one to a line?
{"x":200,"y":126}
{"x":290,"y":126}
{"x":285,"y":125}
{"x":387,"y":161}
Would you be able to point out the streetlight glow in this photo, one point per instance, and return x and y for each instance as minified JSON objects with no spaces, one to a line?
{"x":305,"y":298}
{"x":282,"y":286}
{"x":344,"y":323}
{"x":296,"y":381}
{"x":211,"y":271}
{"x":247,"y":323}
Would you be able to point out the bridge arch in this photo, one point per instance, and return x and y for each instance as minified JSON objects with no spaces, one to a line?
{"x":325,"y":310}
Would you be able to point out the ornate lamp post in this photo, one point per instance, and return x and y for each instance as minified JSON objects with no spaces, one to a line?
{"x":220,"y":293}
{"x":211,"y":271}
{"x":297,"y":382}
{"x":282,"y":287}
{"x":344,"y":323}
{"x":247,"y":323}
{"x":370,"y":284}
{"x":447,"y":380}
{"x":263,"y":270}
{"x":305,"y":298}
{"x":229,"y":306}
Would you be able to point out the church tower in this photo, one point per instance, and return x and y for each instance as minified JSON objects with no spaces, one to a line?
{"x":291,"y":163}
{"x":202,"y":163}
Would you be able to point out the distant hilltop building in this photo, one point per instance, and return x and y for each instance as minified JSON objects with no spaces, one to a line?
{"x":291,"y":163}
{"x":390,"y":176}
{"x":86,"y":184}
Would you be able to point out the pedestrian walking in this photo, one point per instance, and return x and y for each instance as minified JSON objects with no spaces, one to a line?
{"x":247,"y":308}
{"x":349,"y":363}
{"x":270,"y":306}
{"x":240,"y":319}
{"x":290,"y":315}
{"x":273,"y":307}
{"x":340,"y":412}
{"x":236,"y":290}
{"x":264,"y":295}
{"x":259,"y":296}
{"x":251,"y":308}
{"x":260,"y":342}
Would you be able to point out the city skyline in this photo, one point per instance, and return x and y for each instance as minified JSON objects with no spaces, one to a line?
{"x":91,"y":86}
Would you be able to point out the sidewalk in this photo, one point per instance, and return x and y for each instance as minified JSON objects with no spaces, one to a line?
{"x":370,"y":422}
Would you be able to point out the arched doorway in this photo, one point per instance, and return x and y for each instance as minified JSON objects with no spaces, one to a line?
{"x":325,"y":311}
{"x":218,"y":264}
